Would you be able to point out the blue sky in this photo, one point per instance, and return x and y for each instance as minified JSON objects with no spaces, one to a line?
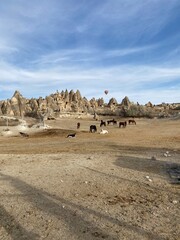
{"x":130,"y":47}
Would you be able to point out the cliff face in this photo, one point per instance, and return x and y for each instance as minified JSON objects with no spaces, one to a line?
{"x":64,"y":102}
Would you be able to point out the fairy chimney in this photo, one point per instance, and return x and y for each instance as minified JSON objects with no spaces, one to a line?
{"x":112,"y":102}
{"x":126,"y":102}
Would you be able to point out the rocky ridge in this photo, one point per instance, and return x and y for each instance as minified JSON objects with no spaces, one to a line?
{"x":72,"y":102}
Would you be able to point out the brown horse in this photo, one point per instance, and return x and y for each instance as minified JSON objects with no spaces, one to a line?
{"x":78,"y":125}
{"x":132,"y":121}
{"x":122,"y":124}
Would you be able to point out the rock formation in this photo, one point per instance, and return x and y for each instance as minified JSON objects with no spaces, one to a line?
{"x":59,"y":103}
{"x":112,"y":102}
{"x":126,"y":102}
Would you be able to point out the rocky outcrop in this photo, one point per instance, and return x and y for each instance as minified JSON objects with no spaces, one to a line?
{"x":112,"y":102}
{"x":100,"y":102}
{"x":149,"y":104}
{"x":126,"y":102}
{"x":18,"y":104}
{"x":6,"y":108}
{"x":64,"y":101}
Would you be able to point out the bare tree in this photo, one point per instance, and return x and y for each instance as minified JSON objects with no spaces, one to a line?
{"x":43,"y":115}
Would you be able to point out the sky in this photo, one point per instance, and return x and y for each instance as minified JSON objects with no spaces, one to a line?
{"x":129,"y":47}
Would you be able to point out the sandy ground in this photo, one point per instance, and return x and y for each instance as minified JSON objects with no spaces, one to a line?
{"x":92,"y":186}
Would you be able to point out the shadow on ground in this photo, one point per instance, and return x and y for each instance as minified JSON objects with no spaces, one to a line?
{"x":165,"y":169}
{"x":13,"y":228}
{"x":79,"y":224}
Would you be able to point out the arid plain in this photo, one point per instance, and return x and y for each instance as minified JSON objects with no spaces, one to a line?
{"x":120,"y":185}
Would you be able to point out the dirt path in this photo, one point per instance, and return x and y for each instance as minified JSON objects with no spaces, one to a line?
{"x":92,"y":186}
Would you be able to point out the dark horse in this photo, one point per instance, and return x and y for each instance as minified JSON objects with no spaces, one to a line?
{"x":113,"y":121}
{"x":93,"y":129}
{"x":24,"y":134}
{"x":132,"y":121}
{"x":72,"y":135}
{"x":102,"y":123}
{"x":123,"y":124}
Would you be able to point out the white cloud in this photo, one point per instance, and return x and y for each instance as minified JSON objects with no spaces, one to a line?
{"x":62,"y":44}
{"x":120,"y":80}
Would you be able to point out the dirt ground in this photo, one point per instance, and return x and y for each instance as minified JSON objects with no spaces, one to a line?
{"x":121,"y":185}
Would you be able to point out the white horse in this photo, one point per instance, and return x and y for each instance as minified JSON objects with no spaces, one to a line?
{"x":103,"y":131}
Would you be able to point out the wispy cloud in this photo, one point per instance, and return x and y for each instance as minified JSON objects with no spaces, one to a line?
{"x":124,"y":46}
{"x":123,"y":79}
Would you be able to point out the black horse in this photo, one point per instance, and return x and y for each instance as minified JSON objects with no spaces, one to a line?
{"x":78,"y":125}
{"x":103,"y":123}
{"x":93,"y":129}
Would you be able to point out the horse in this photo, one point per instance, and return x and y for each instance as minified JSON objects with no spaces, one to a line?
{"x":113,"y":121}
{"x":24,"y":134}
{"x":123,"y":124}
{"x":71,"y":135}
{"x":103,"y":131}
{"x":93,"y":129}
{"x":78,"y":125}
{"x":102,"y":123}
{"x":132,"y":121}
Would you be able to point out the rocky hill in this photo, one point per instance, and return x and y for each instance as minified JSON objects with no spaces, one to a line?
{"x":72,"y":102}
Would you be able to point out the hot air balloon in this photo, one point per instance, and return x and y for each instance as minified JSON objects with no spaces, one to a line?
{"x":106,"y":92}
